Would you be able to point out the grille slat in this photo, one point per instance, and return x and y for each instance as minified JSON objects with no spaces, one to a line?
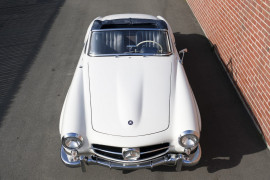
{"x":145,"y":152}
{"x":105,"y":151}
{"x":155,"y":150}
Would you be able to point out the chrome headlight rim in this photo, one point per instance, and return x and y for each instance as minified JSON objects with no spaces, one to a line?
{"x":193,"y":133}
{"x":72,"y":137}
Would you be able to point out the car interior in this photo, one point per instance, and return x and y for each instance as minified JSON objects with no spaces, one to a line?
{"x":129,"y":41}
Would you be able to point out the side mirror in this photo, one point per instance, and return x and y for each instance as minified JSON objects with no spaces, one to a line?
{"x":182,"y":54}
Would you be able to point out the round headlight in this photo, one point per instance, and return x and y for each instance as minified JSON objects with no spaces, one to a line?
{"x":72,"y":141}
{"x":188,"y":140}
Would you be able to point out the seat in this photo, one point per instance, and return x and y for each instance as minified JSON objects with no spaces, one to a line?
{"x":107,"y":42}
{"x":114,"y":41}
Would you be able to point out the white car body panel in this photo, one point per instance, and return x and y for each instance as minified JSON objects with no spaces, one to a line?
{"x":152,"y":91}
{"x":130,"y":88}
{"x":182,"y":105}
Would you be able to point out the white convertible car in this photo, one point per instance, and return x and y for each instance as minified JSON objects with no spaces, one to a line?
{"x":130,"y":105}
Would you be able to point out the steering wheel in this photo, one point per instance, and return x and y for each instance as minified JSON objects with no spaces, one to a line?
{"x":149,"y":41}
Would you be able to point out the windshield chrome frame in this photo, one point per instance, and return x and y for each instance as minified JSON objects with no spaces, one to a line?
{"x":132,"y":54}
{"x":128,"y":29}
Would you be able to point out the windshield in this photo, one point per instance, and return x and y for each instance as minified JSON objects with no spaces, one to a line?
{"x":129,"y":42}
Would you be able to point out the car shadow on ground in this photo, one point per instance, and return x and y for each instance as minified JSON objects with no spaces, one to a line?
{"x":228,"y":132}
{"x":23,"y":28}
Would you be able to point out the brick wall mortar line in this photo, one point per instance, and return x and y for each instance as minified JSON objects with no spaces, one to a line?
{"x":260,"y":7}
{"x":255,"y":48}
{"x":256,"y":15}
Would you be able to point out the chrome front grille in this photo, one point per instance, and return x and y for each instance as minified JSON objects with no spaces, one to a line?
{"x":146,"y":152}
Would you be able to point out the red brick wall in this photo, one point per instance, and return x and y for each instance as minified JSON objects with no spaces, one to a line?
{"x":241,"y":31}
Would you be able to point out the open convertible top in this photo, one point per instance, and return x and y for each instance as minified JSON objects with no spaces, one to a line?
{"x":129,"y":23}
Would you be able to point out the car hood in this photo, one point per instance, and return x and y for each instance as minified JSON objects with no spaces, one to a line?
{"x":130,"y":95}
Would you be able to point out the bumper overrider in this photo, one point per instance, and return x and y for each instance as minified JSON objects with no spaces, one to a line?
{"x":168,"y":159}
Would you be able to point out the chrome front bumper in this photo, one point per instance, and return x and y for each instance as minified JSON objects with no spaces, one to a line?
{"x":168,"y":159}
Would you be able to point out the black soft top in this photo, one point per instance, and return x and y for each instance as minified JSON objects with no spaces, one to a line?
{"x":129,"y":23}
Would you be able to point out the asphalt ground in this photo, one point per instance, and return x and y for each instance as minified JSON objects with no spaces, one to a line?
{"x":40,"y":44}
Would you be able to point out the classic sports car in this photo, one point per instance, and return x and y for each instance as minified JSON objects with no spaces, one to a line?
{"x":130,"y":105}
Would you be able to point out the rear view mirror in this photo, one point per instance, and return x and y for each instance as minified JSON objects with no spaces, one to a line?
{"x":182,"y":54}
